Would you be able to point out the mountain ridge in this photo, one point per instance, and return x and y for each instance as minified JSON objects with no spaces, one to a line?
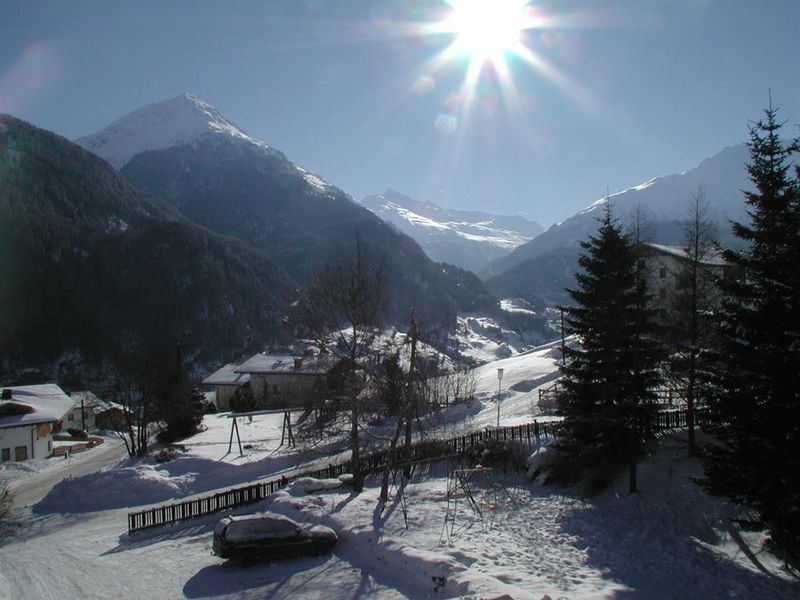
{"x":722,"y":177}
{"x":245,"y":189}
{"x":467,"y":239}
{"x":90,"y":266}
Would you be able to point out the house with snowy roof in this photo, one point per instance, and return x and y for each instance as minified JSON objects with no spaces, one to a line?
{"x":282,"y":381}
{"x":225,"y":382}
{"x":91,"y":413}
{"x":29,"y":415}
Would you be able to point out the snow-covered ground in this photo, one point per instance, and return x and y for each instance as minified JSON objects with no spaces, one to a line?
{"x":670,"y":541}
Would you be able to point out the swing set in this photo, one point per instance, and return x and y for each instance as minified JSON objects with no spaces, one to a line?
{"x":286,"y":431}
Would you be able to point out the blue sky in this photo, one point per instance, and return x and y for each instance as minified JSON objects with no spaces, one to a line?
{"x":631,"y":89}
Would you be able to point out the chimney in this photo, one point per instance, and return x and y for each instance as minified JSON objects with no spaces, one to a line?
{"x":6,"y":394}
{"x":298,"y":363}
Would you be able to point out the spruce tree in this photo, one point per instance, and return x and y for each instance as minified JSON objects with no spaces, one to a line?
{"x":756,"y":400}
{"x":610,"y":375}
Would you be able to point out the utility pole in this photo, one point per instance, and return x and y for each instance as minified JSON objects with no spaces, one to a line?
{"x":411,"y":406}
{"x":499,"y":381}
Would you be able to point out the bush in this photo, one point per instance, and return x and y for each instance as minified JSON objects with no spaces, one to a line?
{"x":506,"y":456}
{"x":166,"y":455}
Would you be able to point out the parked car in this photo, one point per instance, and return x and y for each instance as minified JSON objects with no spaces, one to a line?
{"x":271,"y":536}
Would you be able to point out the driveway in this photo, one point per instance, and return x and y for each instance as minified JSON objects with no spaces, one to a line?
{"x":31,"y":490}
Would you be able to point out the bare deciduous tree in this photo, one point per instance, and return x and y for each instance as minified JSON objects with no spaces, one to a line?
{"x":695,"y":297}
{"x":340,"y":310}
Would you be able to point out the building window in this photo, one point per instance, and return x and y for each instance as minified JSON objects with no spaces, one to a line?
{"x":662,"y":272}
{"x":662,"y":293}
{"x":276,"y":389}
{"x":70,"y":417}
{"x":21,"y":453}
{"x":6,"y":454}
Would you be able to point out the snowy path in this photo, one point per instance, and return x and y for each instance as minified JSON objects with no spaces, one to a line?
{"x":32,"y":489}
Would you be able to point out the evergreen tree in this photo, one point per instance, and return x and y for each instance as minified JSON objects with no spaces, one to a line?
{"x":756,"y":400}
{"x":610,"y":375}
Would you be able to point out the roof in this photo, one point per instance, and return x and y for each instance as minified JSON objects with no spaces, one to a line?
{"x":91,"y":401}
{"x":712,"y":259}
{"x":227,"y":376}
{"x":44,"y":403}
{"x":276,"y":363}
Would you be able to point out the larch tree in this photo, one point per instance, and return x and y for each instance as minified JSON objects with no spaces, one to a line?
{"x":755,"y":399}
{"x":695,"y":299}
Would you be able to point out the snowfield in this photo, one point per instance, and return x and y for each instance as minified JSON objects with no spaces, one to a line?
{"x":669,"y":541}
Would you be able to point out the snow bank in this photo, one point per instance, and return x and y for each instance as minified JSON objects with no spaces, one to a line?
{"x":309,"y":485}
{"x":120,"y":488}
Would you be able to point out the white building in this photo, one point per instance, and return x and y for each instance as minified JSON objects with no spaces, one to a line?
{"x":279,"y":381}
{"x":664,"y":266}
{"x":225,"y":382}
{"x":28,"y":417}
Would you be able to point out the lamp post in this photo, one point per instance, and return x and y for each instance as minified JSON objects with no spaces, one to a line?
{"x":499,"y":380}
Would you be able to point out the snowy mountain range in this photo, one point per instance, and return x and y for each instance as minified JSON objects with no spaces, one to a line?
{"x":185,"y":152}
{"x":468,"y":239}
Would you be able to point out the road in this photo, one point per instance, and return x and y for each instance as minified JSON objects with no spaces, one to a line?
{"x":31,"y":490}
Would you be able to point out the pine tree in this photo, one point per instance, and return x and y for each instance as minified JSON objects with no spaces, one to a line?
{"x":756,"y":400}
{"x":609,"y":377}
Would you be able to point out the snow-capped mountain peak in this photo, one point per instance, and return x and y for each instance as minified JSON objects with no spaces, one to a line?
{"x":161,"y":125}
{"x":175,"y":122}
{"x":467,"y":239}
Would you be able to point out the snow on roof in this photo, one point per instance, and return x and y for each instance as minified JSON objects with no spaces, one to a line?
{"x":227,"y":376}
{"x":713,"y":259}
{"x":46,"y":403}
{"x":96,"y":404}
{"x":276,"y":363}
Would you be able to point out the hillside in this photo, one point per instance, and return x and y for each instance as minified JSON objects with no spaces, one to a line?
{"x":543,"y":267}
{"x":183,"y":151}
{"x":89,"y":265}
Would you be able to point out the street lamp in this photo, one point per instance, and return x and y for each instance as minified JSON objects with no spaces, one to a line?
{"x":499,"y":380}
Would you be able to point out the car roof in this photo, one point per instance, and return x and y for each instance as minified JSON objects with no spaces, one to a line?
{"x":263,"y":516}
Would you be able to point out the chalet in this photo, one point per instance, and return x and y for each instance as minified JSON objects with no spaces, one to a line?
{"x":225,"y":382}
{"x":92,"y":413}
{"x":29,"y":415}
{"x":278,"y":381}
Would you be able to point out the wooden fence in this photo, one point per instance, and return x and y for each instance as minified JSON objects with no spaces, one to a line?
{"x":424,"y":450}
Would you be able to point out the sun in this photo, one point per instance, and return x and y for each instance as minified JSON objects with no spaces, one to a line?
{"x":487,"y":30}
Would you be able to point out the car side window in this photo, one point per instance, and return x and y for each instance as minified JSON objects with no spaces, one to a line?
{"x":284,"y":529}
{"x":238,"y":532}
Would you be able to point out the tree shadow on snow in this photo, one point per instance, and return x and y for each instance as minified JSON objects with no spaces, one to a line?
{"x":658,"y":545}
